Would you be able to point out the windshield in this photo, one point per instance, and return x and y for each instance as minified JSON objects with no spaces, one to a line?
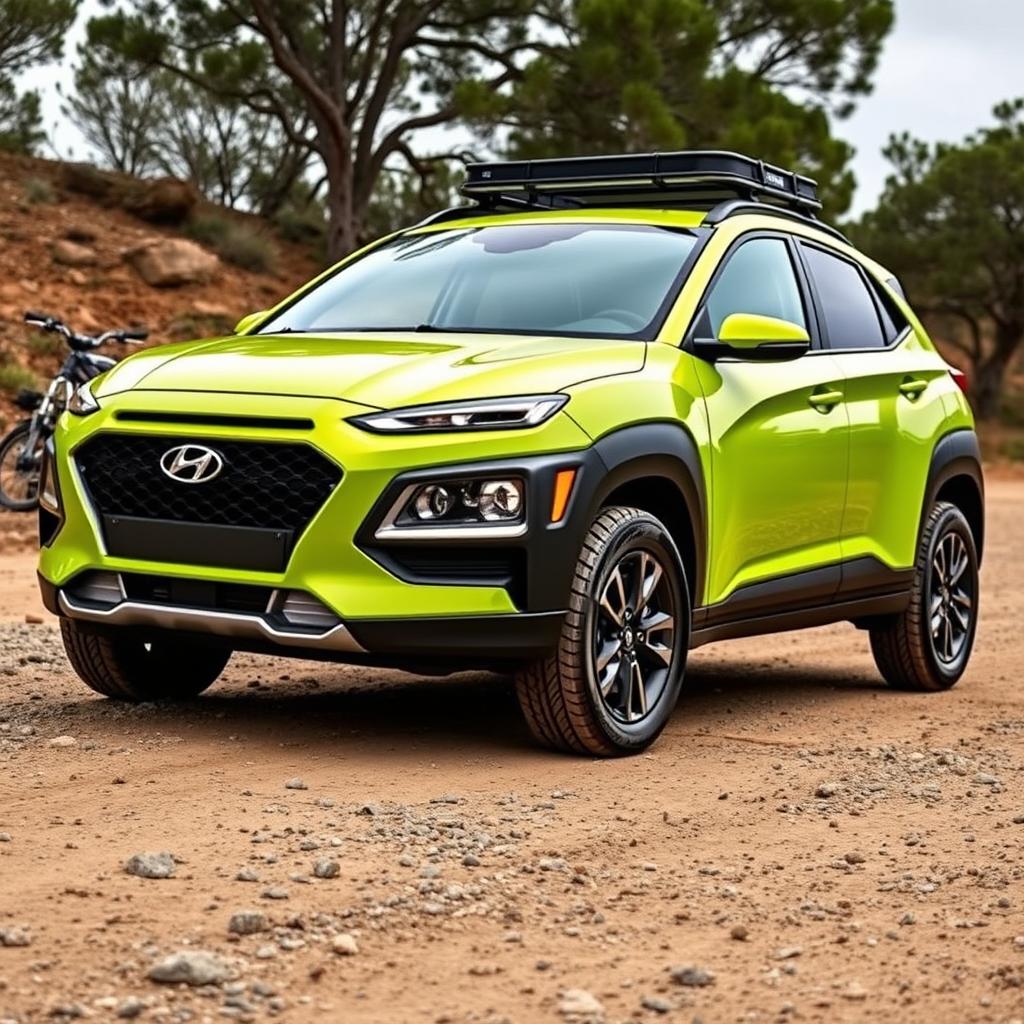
{"x":591,"y":279}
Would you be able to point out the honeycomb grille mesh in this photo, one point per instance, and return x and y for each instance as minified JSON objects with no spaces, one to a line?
{"x":272,"y":485}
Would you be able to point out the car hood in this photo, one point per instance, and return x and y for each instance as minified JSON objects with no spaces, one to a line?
{"x":380,"y":370}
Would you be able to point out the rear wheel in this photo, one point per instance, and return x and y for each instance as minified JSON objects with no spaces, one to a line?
{"x":929,"y":645}
{"x":120,"y":665}
{"x":613,"y":681}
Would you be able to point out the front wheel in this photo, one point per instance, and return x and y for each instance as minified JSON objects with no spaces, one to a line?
{"x":21,"y":455}
{"x":613,"y":681}
{"x":123,"y":666}
{"x":928,"y":646}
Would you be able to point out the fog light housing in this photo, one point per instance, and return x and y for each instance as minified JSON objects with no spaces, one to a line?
{"x":500,"y":500}
{"x":433,"y":502}
{"x":463,"y":504}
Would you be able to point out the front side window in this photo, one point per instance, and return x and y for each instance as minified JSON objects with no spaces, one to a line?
{"x":851,"y":316}
{"x":562,"y":279}
{"x":759,"y":278}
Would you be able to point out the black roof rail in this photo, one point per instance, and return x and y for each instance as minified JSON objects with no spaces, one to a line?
{"x":731,"y":207}
{"x":593,"y":180}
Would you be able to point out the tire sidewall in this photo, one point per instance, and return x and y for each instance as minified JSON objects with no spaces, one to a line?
{"x":950,"y":520}
{"x":643,"y":532}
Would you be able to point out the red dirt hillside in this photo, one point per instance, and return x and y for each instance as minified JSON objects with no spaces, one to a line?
{"x":67,"y":234}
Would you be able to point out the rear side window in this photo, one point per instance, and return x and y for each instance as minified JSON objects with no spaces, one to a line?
{"x":851,"y":315}
{"x":894,"y":323}
{"x":758,"y":278}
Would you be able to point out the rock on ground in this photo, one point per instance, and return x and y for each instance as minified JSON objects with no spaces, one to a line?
{"x":151,"y":865}
{"x":190,"y":967}
{"x":172,"y":262}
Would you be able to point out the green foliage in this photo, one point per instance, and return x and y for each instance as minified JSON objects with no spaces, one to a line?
{"x":950,"y":224}
{"x":146,"y":122}
{"x":14,"y":377}
{"x":234,"y":242}
{"x":21,"y":122}
{"x":39,"y":191}
{"x":405,"y":197}
{"x":32,"y":32}
{"x":639,"y":75}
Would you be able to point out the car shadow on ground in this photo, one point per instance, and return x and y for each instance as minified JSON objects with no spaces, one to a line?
{"x":471,"y":712}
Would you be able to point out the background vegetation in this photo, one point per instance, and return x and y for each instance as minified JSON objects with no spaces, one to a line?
{"x":341,"y":119}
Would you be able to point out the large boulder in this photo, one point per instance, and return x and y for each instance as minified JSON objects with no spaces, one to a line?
{"x":172,"y":262}
{"x":161,"y":201}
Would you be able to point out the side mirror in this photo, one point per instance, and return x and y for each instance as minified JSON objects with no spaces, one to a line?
{"x":248,"y":322}
{"x":751,"y":336}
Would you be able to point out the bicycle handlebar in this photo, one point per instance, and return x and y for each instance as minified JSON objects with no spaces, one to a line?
{"x":54,"y":324}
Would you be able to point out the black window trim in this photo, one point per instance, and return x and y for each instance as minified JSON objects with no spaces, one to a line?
{"x":799,"y":272}
{"x":872,"y":289}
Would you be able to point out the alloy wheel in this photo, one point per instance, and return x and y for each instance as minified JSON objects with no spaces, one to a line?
{"x":633,"y":645}
{"x":951,"y":598}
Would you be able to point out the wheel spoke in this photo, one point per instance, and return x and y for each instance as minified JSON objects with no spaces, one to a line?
{"x":962,"y":618}
{"x":615,"y":614}
{"x":937,"y":621}
{"x":607,"y":652}
{"x":940,"y":561}
{"x":657,"y":621}
{"x":936,"y":604}
{"x":611,"y":673}
{"x":949,"y":639}
{"x":658,"y":651}
{"x":636,"y":685}
{"x":648,"y":583}
{"x":962,"y":598}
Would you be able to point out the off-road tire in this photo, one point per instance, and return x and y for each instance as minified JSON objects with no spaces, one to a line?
{"x":120,"y":665}
{"x":559,"y":694}
{"x":903,"y":646}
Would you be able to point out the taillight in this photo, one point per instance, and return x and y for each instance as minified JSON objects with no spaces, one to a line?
{"x":961,"y":381}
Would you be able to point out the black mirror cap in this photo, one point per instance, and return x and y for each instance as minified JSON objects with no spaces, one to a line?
{"x":770,"y":352}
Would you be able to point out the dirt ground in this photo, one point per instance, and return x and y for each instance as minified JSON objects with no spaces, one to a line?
{"x":800,"y":845}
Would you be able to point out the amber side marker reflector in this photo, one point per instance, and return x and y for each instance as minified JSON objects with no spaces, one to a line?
{"x":564,"y":480}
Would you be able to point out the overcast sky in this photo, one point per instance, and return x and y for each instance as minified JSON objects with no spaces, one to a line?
{"x":945,"y":65}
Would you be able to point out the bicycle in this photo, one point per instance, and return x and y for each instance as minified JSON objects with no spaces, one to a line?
{"x":21,"y":450}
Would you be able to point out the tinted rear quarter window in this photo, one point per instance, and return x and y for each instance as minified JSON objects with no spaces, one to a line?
{"x":851,"y":315}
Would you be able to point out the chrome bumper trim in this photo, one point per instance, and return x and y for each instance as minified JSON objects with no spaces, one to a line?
{"x":199,"y":620}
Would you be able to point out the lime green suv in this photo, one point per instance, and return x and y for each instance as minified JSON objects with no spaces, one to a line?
{"x":617,"y":408}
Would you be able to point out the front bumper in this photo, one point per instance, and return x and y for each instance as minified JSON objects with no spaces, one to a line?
{"x":387,"y":602}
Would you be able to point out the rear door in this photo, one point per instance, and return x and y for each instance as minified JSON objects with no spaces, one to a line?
{"x":895,"y":409}
{"x":779,"y":437}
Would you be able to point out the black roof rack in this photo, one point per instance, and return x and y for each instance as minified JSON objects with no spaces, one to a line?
{"x":698,"y":176}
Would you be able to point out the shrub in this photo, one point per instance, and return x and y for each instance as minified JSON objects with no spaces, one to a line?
{"x":42,"y":344}
{"x":234,"y":243}
{"x":39,"y":190}
{"x":14,"y":376}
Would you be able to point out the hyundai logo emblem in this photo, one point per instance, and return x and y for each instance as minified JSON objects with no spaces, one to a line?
{"x":191,"y":464}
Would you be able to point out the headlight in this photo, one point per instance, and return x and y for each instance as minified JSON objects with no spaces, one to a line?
{"x":472,"y":506}
{"x":487,"y":414}
{"x":82,"y":402}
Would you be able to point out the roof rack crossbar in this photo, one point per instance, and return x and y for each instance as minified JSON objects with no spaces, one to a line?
{"x":596,"y":177}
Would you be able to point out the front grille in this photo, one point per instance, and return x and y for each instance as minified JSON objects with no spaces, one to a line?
{"x":277,"y":486}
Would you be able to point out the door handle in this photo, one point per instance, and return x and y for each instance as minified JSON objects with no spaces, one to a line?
{"x":825,"y":399}
{"x":912,"y":387}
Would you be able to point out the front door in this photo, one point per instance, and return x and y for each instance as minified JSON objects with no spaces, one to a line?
{"x":779,"y":446}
